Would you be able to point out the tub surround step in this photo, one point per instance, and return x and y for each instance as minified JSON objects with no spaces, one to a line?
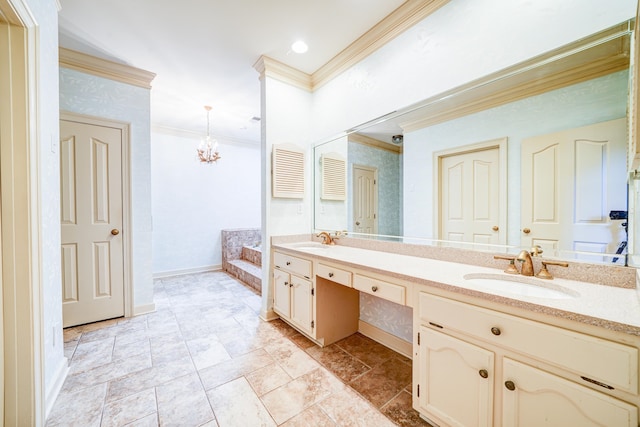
{"x":252,"y":254}
{"x":246,"y":271}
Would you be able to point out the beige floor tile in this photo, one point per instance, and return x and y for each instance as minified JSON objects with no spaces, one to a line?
{"x":221,"y":373}
{"x":183,"y":402}
{"x":294,"y":397}
{"x":207,"y":352}
{"x":92,"y":354}
{"x":291,"y":357}
{"x":346,"y":408}
{"x":311,"y":417}
{"x":236,"y":405}
{"x":148,"y":421}
{"x":133,"y":408}
{"x":108,"y":372}
{"x":268,"y":378}
{"x":80,"y":408}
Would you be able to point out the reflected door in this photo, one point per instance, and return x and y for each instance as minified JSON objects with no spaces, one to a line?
{"x":365,"y":200}
{"x":91,"y":222}
{"x":570,"y":184}
{"x":470,"y":197}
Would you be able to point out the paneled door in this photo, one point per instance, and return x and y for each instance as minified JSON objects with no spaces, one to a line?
{"x":365,"y":199}
{"x":571,"y":180}
{"x":469,"y":196}
{"x":91,"y":205}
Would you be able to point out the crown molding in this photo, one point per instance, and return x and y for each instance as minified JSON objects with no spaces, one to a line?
{"x":398,"y":21}
{"x":277,"y":70}
{"x":375,"y":143}
{"x":190,"y":134}
{"x":103,"y":68}
{"x":404,"y":17}
{"x":586,"y":59}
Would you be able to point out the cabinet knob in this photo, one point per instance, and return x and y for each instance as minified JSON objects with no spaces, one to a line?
{"x":496,"y":331}
{"x":286,"y":283}
{"x":288,"y":262}
{"x":291,"y":285}
{"x":483,"y":373}
{"x":526,"y":230}
{"x":510,"y":385}
{"x":330,"y":274}
{"x":374,"y":288}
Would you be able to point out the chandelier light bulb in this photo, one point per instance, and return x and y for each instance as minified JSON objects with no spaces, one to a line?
{"x":208,"y":148}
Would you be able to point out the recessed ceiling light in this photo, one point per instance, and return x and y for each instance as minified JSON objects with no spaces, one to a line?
{"x":299,"y":47}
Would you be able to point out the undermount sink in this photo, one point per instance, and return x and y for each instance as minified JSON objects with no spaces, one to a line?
{"x":520,"y":285}
{"x":309,"y":245}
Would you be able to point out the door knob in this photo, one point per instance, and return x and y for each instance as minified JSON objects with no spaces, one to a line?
{"x":495,"y":228}
{"x":115,"y":231}
{"x":526,"y":230}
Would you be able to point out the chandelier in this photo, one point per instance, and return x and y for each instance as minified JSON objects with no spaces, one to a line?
{"x":208,"y":148}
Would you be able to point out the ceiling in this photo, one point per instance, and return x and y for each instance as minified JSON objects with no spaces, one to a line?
{"x":203,"y":51}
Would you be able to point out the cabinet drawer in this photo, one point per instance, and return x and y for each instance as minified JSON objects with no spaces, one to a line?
{"x":334,"y":274}
{"x":595,"y":358}
{"x":380,"y":288}
{"x":292,"y":264}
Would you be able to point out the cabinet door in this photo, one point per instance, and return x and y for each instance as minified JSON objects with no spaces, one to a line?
{"x":456,"y":380}
{"x":281,"y":293}
{"x":536,"y":398}
{"x":301,"y":303}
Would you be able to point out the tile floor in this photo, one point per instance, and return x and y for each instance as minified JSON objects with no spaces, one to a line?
{"x":204,"y":358}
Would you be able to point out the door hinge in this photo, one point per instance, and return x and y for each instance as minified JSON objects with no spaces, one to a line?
{"x":375,"y":182}
{"x":374,"y":216}
{"x":313,"y":324}
{"x":418,"y":338}
{"x":418,"y":390}
{"x":313,"y":291}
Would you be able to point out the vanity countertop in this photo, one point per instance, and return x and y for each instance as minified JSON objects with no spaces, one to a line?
{"x":609,"y":307}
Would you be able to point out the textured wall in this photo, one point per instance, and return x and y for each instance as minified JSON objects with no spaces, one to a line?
{"x":389,"y":189}
{"x":193,"y":202}
{"x":95,"y":96}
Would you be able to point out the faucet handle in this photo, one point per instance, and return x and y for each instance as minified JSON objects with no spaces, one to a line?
{"x":511,"y":269}
{"x":536,"y":250}
{"x":544,"y":273}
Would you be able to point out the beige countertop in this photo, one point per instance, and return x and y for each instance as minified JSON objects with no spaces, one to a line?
{"x":609,"y":307}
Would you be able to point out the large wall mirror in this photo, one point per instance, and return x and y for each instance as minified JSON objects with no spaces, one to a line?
{"x":532,"y":155}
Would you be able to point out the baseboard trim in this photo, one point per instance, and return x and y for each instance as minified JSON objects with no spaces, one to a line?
{"x":58,"y":381}
{"x":182,"y":272}
{"x":144,"y":309}
{"x":403,"y":347}
{"x":269,"y":315}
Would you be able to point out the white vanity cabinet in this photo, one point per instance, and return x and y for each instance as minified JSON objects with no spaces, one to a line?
{"x":480,"y":367}
{"x":293,"y":290}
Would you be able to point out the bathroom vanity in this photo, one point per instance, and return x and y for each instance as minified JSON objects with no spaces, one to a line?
{"x":526,"y":352}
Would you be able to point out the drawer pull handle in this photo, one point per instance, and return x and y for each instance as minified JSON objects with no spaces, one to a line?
{"x":510,"y":385}
{"x":496,"y":331}
{"x":374,"y":288}
{"x":288,"y":262}
{"x":483,"y":373}
{"x":330,"y":274}
{"x":607,"y":386}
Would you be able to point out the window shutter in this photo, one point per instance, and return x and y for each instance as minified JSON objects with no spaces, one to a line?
{"x":334,"y":172}
{"x":288,"y":171}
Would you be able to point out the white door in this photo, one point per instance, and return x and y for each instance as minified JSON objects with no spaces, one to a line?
{"x":91,"y":220}
{"x":470,"y":197}
{"x":571,"y":180}
{"x":537,"y":398}
{"x":365,"y":199}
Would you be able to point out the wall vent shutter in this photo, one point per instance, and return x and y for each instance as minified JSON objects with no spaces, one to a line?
{"x":288,"y":171}
{"x":334,"y":173}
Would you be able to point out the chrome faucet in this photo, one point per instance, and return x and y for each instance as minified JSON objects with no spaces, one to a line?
{"x":524,"y":257}
{"x":326,"y":238}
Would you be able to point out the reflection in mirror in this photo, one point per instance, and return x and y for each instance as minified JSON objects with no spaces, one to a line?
{"x":563,"y":158}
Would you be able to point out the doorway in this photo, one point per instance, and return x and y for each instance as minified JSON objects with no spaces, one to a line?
{"x":365,"y":199}
{"x":471,"y":193}
{"x":95,"y":235}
